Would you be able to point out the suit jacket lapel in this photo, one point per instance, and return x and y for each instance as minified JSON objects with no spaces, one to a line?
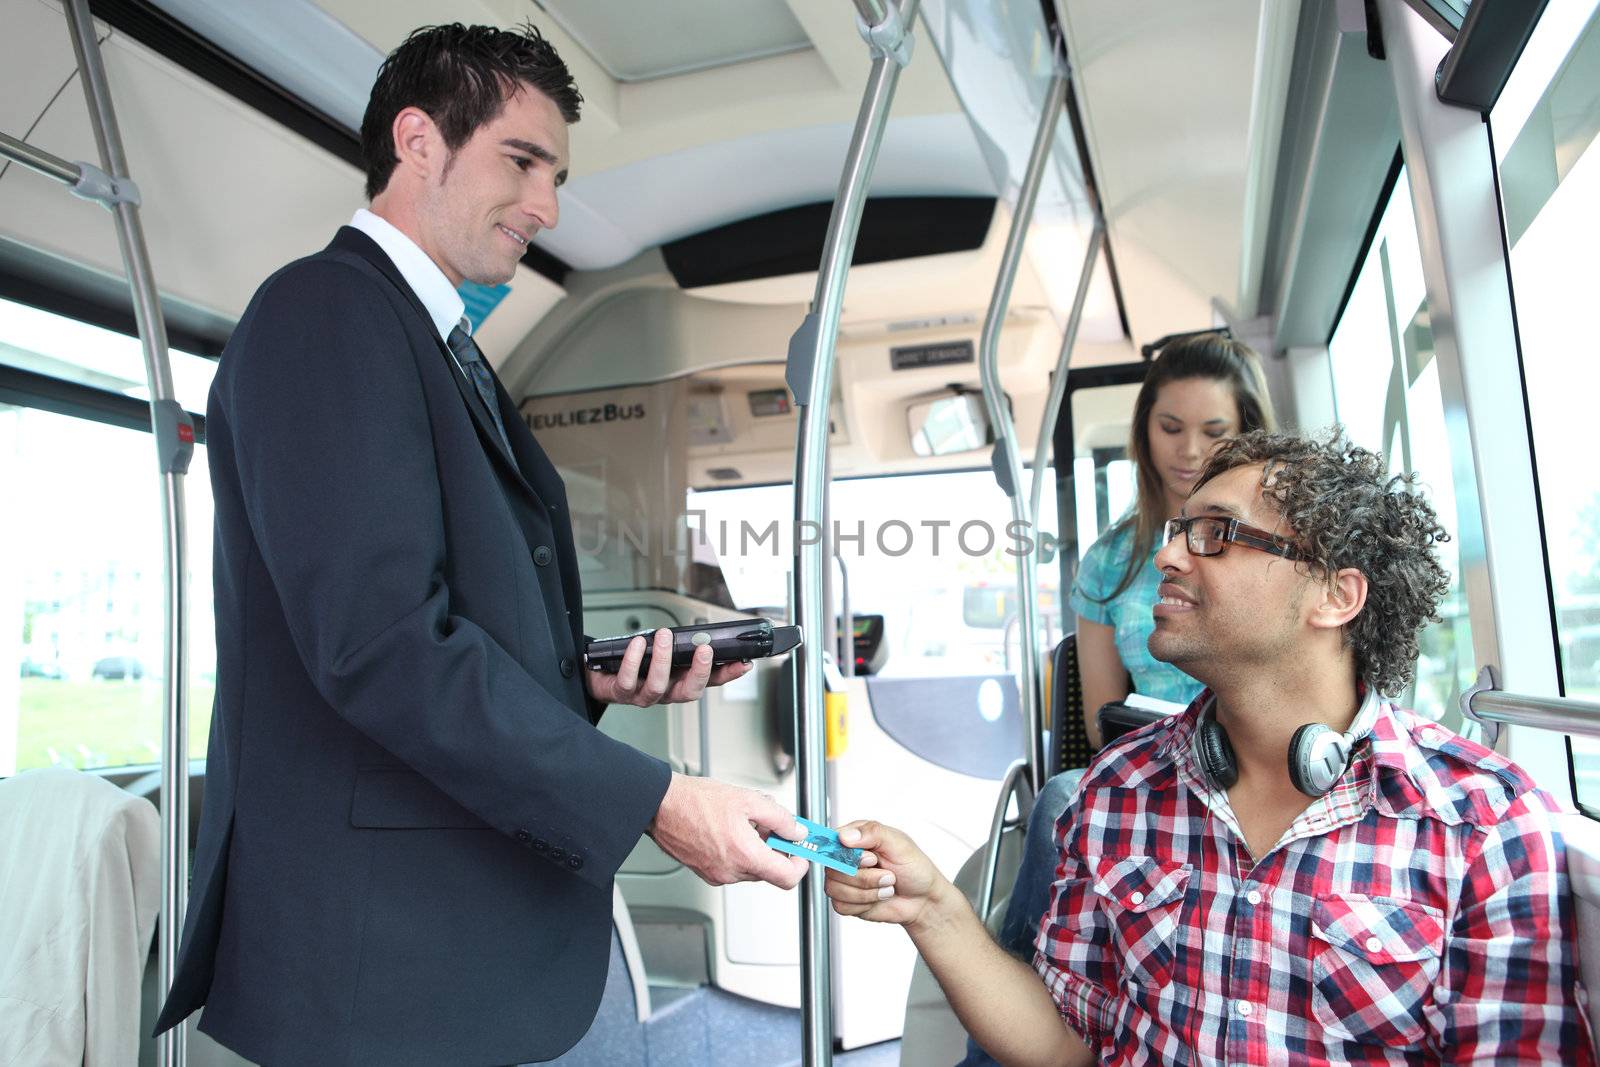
{"x":350,"y":239}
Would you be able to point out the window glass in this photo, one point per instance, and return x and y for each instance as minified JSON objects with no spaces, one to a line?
{"x":46,"y":343}
{"x":1550,"y":176}
{"x":81,"y":591}
{"x":1104,"y":482}
{"x":929,"y":552}
{"x":1387,"y":396}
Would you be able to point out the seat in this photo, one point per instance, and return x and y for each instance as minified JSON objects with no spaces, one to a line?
{"x":1069,"y":739}
{"x":80,"y":887}
{"x":1117,"y":719}
{"x":1581,"y":836}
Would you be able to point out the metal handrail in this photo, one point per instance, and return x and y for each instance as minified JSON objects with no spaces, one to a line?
{"x":809,"y":376}
{"x":37,"y":159}
{"x":1058,"y":383}
{"x":847,"y":643}
{"x":1487,"y":704}
{"x":173,"y":432}
{"x":1015,"y":781}
{"x":872,"y":12}
{"x":1007,"y":461}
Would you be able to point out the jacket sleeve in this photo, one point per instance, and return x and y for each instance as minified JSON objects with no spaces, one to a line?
{"x":340,"y":479}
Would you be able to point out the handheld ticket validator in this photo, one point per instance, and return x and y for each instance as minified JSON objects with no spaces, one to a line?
{"x":731,"y":641}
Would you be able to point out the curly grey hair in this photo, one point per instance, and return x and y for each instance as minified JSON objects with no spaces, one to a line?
{"x":1347,"y":511}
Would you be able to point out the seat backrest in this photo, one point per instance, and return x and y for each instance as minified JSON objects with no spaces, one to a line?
{"x":1581,"y":835}
{"x":1069,"y":739}
{"x":933,"y":1034}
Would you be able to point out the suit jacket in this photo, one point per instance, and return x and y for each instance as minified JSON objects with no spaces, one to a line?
{"x":411,"y":824}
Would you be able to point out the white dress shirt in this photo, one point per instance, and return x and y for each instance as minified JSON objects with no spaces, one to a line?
{"x":438,"y":296}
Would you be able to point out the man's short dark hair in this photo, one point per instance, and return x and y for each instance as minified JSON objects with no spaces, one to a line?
{"x":1345,"y":510}
{"x":461,"y":76}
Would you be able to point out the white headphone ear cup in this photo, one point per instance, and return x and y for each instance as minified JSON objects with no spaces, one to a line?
{"x":1317,"y":757}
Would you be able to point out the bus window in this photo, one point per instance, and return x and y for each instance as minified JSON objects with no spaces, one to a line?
{"x":1104,"y":479}
{"x":1387,"y":396}
{"x":81,"y":656}
{"x":920,"y":549}
{"x":1544,"y":129}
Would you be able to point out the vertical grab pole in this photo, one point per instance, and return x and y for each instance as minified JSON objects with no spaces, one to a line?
{"x":810,"y":379}
{"x":1007,"y":461}
{"x":1058,"y":384}
{"x":174,"y":436}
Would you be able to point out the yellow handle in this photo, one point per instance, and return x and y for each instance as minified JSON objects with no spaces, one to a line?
{"x":836,"y":710}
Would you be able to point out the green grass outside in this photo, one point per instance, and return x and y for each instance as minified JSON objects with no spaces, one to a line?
{"x":101,"y":723}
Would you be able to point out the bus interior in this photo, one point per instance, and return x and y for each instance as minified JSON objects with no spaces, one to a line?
{"x":1392,"y":201}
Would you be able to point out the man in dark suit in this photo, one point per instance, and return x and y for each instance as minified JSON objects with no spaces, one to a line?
{"x":411,"y":823}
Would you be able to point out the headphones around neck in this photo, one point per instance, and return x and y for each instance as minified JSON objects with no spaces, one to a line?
{"x":1318,"y":755}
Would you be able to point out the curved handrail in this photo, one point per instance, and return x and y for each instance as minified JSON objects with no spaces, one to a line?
{"x":1007,"y":461}
{"x":1016,"y":780}
{"x":173,"y":432}
{"x":809,"y":376}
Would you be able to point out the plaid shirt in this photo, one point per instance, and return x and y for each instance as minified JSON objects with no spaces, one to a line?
{"x":1417,"y":913}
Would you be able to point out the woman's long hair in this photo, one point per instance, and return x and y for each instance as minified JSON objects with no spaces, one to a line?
{"x":1204,"y":355}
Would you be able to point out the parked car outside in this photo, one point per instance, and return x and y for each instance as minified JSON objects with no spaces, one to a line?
{"x":118,"y":668}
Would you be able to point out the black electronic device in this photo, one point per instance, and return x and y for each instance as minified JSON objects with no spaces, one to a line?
{"x":871,"y":649}
{"x":735,"y":639}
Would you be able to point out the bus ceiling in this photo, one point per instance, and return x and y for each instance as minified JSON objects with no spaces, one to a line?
{"x":1203,"y":144}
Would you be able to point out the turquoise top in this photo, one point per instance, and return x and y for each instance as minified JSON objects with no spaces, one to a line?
{"x":1129,"y":613}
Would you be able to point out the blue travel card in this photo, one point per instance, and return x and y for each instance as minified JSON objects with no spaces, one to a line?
{"x":820,"y":846}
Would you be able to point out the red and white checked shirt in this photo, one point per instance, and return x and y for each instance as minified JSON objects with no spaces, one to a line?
{"x":1416,"y":914}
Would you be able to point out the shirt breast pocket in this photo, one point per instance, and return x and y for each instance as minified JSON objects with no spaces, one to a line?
{"x":1374,"y":962}
{"x":1144,"y":899}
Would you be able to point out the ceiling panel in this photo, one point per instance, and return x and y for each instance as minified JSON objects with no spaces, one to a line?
{"x":229,"y":195}
{"x":1168,"y":98}
{"x":36,"y":56}
{"x":637,"y":40}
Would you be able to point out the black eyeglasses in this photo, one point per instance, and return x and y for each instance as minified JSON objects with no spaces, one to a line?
{"x":1208,"y":535}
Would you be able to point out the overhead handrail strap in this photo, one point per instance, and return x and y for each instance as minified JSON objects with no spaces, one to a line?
{"x":809,"y":376}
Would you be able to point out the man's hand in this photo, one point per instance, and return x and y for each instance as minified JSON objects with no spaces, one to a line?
{"x":719,"y":832}
{"x":660,"y":685}
{"x":999,"y":999}
{"x":896,"y":883}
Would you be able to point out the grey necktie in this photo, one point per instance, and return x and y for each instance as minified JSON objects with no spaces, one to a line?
{"x":466,"y":350}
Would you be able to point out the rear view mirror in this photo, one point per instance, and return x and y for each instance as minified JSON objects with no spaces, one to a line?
{"x":948,"y":424}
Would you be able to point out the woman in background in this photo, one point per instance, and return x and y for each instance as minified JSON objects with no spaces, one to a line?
{"x":1200,"y":390}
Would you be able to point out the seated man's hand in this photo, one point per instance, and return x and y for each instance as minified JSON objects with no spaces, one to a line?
{"x":719,"y":832}
{"x":660,"y":684}
{"x":896,"y":882}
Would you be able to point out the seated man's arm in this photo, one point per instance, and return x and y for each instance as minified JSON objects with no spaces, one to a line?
{"x":1002,"y":1003}
{"x":1507,"y":985}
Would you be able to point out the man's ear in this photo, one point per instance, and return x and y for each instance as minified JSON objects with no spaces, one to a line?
{"x":1343,"y":596}
{"x":417,"y":143}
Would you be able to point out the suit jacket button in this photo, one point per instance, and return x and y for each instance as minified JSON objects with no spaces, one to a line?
{"x":541,"y":556}
{"x":558,"y":854}
{"x":566,"y":667}
{"x":523,"y":836}
{"x":540,"y":844}
{"x":574,"y":862}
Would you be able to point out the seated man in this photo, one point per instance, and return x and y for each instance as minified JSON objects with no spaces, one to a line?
{"x":1293,"y":870}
